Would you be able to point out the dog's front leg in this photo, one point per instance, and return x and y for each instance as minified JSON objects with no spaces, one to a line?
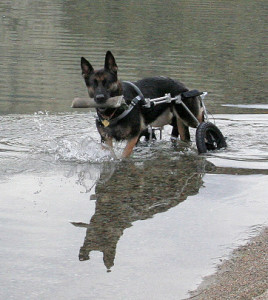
{"x":129,"y":146}
{"x":109,"y":144}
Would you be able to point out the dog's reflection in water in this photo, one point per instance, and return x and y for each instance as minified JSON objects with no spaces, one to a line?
{"x":128,"y":192}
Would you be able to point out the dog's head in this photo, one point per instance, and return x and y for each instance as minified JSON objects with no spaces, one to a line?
{"x":102,"y":84}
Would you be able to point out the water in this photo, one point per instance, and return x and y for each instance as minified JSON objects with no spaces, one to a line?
{"x":79,"y":224}
{"x":215,"y":46}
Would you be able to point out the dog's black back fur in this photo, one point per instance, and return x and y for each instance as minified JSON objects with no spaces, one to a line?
{"x":154,"y":87}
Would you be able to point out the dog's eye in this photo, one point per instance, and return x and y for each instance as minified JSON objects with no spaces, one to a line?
{"x":95,"y":82}
{"x":104,"y":82}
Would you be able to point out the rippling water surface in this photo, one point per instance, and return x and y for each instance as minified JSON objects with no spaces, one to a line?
{"x":215,"y":46}
{"x":76,"y":223}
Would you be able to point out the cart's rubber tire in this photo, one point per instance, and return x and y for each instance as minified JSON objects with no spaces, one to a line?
{"x":209,"y":137}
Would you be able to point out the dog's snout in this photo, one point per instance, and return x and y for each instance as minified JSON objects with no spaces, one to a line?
{"x":100,"y":98}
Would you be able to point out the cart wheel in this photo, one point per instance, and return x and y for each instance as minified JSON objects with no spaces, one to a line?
{"x":209,"y":137}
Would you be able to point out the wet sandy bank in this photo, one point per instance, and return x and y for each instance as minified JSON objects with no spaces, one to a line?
{"x":243,"y":276}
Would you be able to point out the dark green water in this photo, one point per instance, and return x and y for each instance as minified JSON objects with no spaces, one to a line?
{"x":217,"y":46}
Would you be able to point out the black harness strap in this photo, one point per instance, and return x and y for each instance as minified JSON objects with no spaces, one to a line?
{"x":136,"y":89}
{"x":132,"y":104}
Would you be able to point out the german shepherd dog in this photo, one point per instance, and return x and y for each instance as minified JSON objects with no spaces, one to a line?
{"x":104,"y":83}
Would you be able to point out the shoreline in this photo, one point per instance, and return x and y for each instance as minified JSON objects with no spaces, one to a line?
{"x":243,"y":276}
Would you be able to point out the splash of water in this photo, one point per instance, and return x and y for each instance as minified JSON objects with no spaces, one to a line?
{"x":86,"y":150}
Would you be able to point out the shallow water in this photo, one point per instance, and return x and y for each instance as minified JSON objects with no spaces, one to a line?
{"x":158,"y":221}
{"x":76,"y":223}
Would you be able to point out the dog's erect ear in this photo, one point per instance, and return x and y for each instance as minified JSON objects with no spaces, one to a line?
{"x":110,"y":63}
{"x":86,"y":67}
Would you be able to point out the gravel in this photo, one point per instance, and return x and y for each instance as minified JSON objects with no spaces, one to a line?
{"x":243,"y":276}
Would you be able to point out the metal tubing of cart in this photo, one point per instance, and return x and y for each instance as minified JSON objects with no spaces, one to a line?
{"x":203,"y":104}
{"x":191,"y":114}
{"x":167,"y":99}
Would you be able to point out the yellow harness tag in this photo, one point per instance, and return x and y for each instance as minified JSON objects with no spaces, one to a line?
{"x":105,"y":123}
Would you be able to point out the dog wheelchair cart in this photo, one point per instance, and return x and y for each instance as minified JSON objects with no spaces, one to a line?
{"x":208,"y":135}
